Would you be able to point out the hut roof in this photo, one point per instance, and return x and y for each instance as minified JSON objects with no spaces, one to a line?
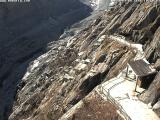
{"x":141,"y":67}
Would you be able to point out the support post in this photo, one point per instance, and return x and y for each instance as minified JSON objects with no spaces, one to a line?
{"x":127,"y":71}
{"x":136,"y":83}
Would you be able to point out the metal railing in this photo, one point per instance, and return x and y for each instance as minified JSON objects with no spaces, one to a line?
{"x":114,"y":102}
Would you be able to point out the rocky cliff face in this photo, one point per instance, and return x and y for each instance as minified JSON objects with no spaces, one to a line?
{"x":139,"y":22}
{"x":26,"y":29}
{"x":77,"y":63}
{"x":67,"y":73}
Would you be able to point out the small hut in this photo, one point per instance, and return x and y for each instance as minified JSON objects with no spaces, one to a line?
{"x":143,"y":72}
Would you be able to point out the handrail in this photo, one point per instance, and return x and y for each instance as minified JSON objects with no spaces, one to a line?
{"x":114,"y":102}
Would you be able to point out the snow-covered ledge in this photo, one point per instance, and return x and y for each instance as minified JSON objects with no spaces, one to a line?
{"x":121,"y":90}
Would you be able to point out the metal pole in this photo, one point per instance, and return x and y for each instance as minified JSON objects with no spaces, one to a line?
{"x":136,"y":83}
{"x":127,"y":71}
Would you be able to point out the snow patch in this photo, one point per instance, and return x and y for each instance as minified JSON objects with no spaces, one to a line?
{"x":34,"y":65}
{"x":26,"y":75}
{"x":101,"y":39}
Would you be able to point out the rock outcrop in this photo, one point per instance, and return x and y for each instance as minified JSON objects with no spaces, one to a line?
{"x":139,"y":22}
